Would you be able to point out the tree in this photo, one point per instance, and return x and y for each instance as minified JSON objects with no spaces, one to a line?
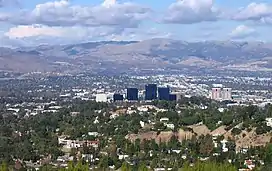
{"x":269,"y":111}
{"x":103,"y":164}
{"x":191,"y":120}
{"x":209,"y":166}
{"x":142,"y":167}
{"x":268,"y":154}
{"x":146,"y":146}
{"x":125,"y":167}
{"x":113,"y":150}
{"x":154,"y":163}
{"x":4,"y":167}
{"x":266,"y":167}
{"x":262,"y":129}
{"x":159,"y":126}
{"x":236,"y":131}
{"x":206,"y":145}
{"x":173,"y":143}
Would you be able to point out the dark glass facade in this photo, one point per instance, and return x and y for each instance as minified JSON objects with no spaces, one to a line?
{"x":164,"y":93}
{"x":151,"y":92}
{"x":172,"y":97}
{"x":132,"y":94}
{"x":118,"y":97}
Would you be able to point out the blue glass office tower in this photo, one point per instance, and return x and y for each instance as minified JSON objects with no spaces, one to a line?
{"x":151,"y":92}
{"x":164,"y":93}
{"x":118,"y":97}
{"x":172,"y":97}
{"x":132,"y":94}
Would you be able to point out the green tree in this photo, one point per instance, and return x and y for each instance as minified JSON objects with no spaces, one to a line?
{"x":268,"y":154}
{"x":142,"y":167}
{"x":4,"y":167}
{"x":125,"y":167}
{"x":236,"y":131}
{"x":209,"y":166}
{"x":206,"y":145}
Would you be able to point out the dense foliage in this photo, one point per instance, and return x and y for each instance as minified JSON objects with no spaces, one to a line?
{"x":36,"y":137}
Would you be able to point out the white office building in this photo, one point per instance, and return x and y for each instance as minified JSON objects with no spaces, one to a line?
{"x":101,"y":98}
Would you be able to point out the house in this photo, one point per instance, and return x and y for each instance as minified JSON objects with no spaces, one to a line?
{"x":224,"y":145}
{"x":221,"y":110}
{"x":164,"y":120}
{"x":269,"y":122}
{"x":204,"y":158}
{"x":76,"y":143}
{"x":114,"y":115}
{"x":55,"y":107}
{"x":170,"y":126}
{"x":176,"y":151}
{"x":74,"y":114}
{"x":162,"y":169}
{"x":123,"y":157}
{"x":95,"y":134}
{"x":49,"y":111}
{"x":249,"y":164}
{"x":142,"y":124}
{"x":65,"y":158}
{"x":96,"y":121}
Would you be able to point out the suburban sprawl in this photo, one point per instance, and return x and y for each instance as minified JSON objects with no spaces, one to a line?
{"x":133,"y":122}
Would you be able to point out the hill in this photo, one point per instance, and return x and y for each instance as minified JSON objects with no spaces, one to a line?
{"x":153,"y":54}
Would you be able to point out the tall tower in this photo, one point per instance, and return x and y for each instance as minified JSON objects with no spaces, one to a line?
{"x":226,"y":94}
{"x":216,"y":93}
{"x":151,"y":92}
{"x":164,"y":93}
{"x":132,"y":94}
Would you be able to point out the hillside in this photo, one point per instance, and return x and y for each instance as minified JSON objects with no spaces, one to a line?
{"x":163,"y":54}
{"x":245,"y":139}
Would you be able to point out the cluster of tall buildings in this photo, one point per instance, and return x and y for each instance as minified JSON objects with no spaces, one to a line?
{"x":152,"y":92}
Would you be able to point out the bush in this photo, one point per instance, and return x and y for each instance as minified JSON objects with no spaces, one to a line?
{"x":236,"y":131}
{"x":209,"y":167}
{"x":262,"y":129}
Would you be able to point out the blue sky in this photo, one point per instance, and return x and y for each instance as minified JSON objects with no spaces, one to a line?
{"x":32,"y":22}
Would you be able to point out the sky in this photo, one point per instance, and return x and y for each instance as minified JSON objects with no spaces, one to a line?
{"x":35,"y":22}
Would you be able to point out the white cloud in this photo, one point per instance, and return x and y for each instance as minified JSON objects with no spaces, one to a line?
{"x":242,"y":31}
{"x":40,"y":34}
{"x":61,"y":21}
{"x":62,"y":13}
{"x":260,"y":12}
{"x":75,"y":32}
{"x":58,"y":20}
{"x":34,"y":30}
{"x":139,"y":34}
{"x":191,"y":11}
{"x":109,"y":3}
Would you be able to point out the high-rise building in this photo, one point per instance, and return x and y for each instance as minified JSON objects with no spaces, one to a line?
{"x":221,"y":93}
{"x":118,"y":97}
{"x":163,"y":93}
{"x":216,"y":93}
{"x":132,"y":94}
{"x":151,"y":92}
{"x":226,"y":94}
{"x":172,"y":97}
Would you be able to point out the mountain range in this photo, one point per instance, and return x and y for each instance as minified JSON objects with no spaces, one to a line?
{"x":153,"y":54}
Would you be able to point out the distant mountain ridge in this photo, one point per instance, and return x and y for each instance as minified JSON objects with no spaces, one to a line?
{"x":157,"y":53}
